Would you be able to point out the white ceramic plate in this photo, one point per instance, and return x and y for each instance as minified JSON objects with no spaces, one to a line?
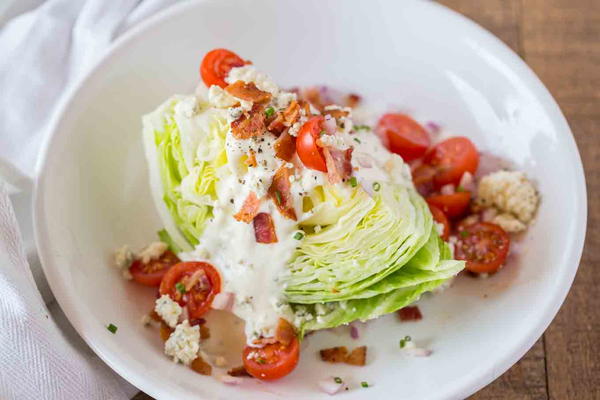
{"x":92,"y":193}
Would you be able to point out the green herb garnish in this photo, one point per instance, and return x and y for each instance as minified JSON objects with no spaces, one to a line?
{"x":261,"y":361}
{"x":464,"y":234}
{"x":357,"y":140}
{"x":337,"y":379}
{"x":278,"y":196}
{"x":269,"y":112}
{"x":112,"y":328}
{"x":322,"y":133}
{"x":364,"y":384}
{"x":298,"y":235}
{"x":362,"y":127}
{"x":404,"y":340}
{"x":353,"y":181}
{"x":180,"y":287}
{"x":376,"y":186}
{"x":460,"y":189}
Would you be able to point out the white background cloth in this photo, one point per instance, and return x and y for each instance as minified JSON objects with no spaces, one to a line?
{"x":42,"y":53}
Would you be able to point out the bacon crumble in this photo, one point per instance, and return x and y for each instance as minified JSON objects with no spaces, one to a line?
{"x":248,"y":91}
{"x":264,"y":229}
{"x":285,"y":146}
{"x":280,"y":192}
{"x":249,"y":209}
{"x":411,"y":313}
{"x":249,"y":124}
{"x":200,"y":366}
{"x":339,"y":165}
{"x":239,"y":372}
{"x":340,"y":354}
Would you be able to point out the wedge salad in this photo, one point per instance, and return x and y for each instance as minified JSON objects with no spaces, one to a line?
{"x":282,"y":208}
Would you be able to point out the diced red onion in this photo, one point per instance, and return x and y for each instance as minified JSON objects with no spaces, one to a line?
{"x":230,"y":380}
{"x":447,"y":189}
{"x":467,"y":182}
{"x":354,"y":334}
{"x":330,"y":125}
{"x":417,"y":352}
{"x":223,"y":301}
{"x":329,"y":386}
{"x":432,"y":127}
{"x":489,"y":163}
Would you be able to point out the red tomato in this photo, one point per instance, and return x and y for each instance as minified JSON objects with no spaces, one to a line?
{"x":152,"y":272}
{"x":452,"y":158}
{"x":423,"y":179}
{"x":216,"y":65}
{"x":200,"y":282}
{"x":484,"y":246}
{"x":273,"y":361}
{"x":310,"y":154}
{"x":453,"y":205}
{"x":440,"y":217}
{"x":404,"y":135}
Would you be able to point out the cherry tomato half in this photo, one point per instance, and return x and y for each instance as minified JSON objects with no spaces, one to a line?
{"x":216,"y":65}
{"x":405,"y":136}
{"x":152,"y":272}
{"x":422,"y":177}
{"x":452,"y":158}
{"x":273,"y":361}
{"x":453,"y":205}
{"x":310,"y":154}
{"x":193,"y":285}
{"x":440,"y":218}
{"x":484,"y":246}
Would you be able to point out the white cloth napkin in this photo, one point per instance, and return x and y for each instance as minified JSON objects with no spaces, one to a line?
{"x":42,"y":53}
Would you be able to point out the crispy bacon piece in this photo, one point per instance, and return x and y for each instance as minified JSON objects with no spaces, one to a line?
{"x":285,"y":146}
{"x":285,"y":118}
{"x":154,"y":316}
{"x":358,"y":356}
{"x":248,"y":92}
{"x":204,"y":332}
{"x":251,"y":160}
{"x":200,"y":366}
{"x":335,"y":113}
{"x":304,"y":105}
{"x":264,"y":229}
{"x":334,"y":354}
{"x":411,"y":313}
{"x":284,"y":333}
{"x":352,"y":100}
{"x":316,"y":97}
{"x":165,"y":331}
{"x":249,"y":209}
{"x":239,"y":372}
{"x":249,"y":124}
{"x":339,"y":165}
{"x":280,"y":192}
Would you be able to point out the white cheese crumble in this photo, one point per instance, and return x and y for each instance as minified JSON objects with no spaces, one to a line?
{"x":168,"y":310}
{"x":249,"y":73}
{"x":152,"y":252}
{"x":123,"y":257}
{"x":184,"y":343}
{"x":187,"y":107}
{"x":219,"y":98}
{"x":510,"y":192}
{"x":335,"y":141}
{"x":509,"y":223}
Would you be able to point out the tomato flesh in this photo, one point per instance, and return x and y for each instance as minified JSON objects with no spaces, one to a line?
{"x":216,"y":65}
{"x":309,"y":152}
{"x":273,"y":361}
{"x":451,"y":159}
{"x":422,"y":177}
{"x":200,"y":281}
{"x":404,"y":136}
{"x":152,"y":272}
{"x":453,"y":205}
{"x":440,"y":218}
{"x":484,"y":246}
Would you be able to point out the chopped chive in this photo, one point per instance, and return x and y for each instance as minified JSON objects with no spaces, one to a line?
{"x":261,"y":360}
{"x":364,"y":384}
{"x":298,"y":235}
{"x":376,"y":186}
{"x":404,"y":340}
{"x":464,"y":234}
{"x":357,"y":140}
{"x":322,"y":133}
{"x":353,"y":181}
{"x":112,"y":328}
{"x":180,"y":287}
{"x":337,"y":379}
{"x":269,"y":112}
{"x":362,"y":127}
{"x":460,"y":189}
{"x":278,"y":196}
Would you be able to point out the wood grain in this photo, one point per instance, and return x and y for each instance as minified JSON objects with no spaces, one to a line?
{"x":560,"y":40}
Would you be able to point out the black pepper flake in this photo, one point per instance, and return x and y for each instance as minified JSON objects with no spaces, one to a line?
{"x":260,"y":149}
{"x":231,"y":201}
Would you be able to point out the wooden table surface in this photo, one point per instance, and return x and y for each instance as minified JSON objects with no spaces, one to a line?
{"x":560,"y":40}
